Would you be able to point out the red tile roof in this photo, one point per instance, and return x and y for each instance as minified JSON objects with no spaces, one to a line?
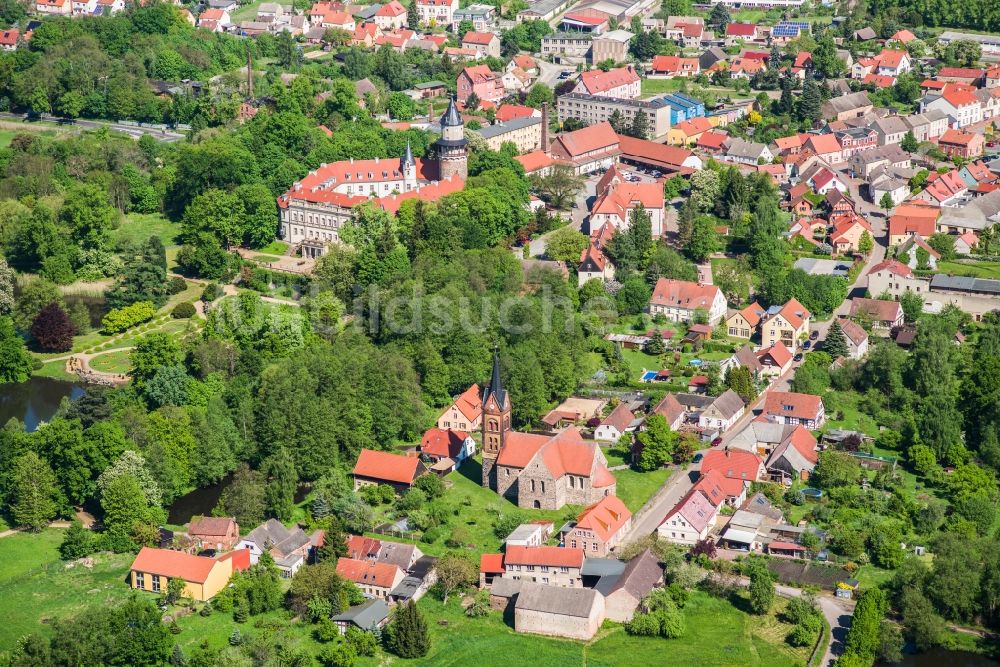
{"x":362,"y":548}
{"x":550,"y":556}
{"x":794,"y":313}
{"x":535,"y":160}
{"x":741,"y":30}
{"x":711,"y":485}
{"x":792,"y":404}
{"x":695,"y":508}
{"x":392,"y":8}
{"x":694,"y":126}
{"x":589,"y":139}
{"x":386,"y":466}
{"x":892,"y":266}
{"x":903,"y":36}
{"x":212,"y":526}
{"x":672,"y":157}
{"x":9,"y":37}
{"x":711,"y":140}
{"x":363,"y":572}
{"x":508,"y":112}
{"x":173,"y":564}
{"x":670,"y":408}
{"x":597,"y":81}
{"x":823,"y":144}
{"x":605,"y":517}
{"x":955,"y":137}
{"x":959,"y":73}
{"x":491,"y":564}
{"x":481,"y":38}
{"x":443,"y":442}
{"x":753,"y":313}
{"x":778,"y":353}
{"x":470,"y":403}
{"x":958,"y":97}
{"x":891,"y":58}
{"x":732,"y":464}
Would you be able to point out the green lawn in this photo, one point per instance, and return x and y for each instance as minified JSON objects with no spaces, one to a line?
{"x":6,"y":136}
{"x":977,"y":269}
{"x":635,"y":488}
{"x":36,"y":586}
{"x":660,"y":86}
{"x":114,"y":362}
{"x":137,"y":227}
{"x":274,"y":248}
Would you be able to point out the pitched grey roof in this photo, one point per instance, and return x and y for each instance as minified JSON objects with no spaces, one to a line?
{"x":641,"y":575}
{"x":504,"y":587}
{"x":576,"y":602}
{"x":366,"y":615}
{"x":451,"y":117}
{"x":396,"y":553}
{"x":272,"y":534}
{"x":740,"y":148}
{"x":489,"y":131}
{"x":847,"y":102}
{"x":963,"y":284}
{"x":728,"y":404}
{"x":601,"y":567}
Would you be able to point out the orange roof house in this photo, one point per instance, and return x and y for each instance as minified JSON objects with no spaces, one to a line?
{"x":465,"y":413}
{"x":395,"y":470}
{"x":785,"y":407}
{"x":375,"y":579}
{"x":736,"y":468}
{"x":203,"y":577}
{"x":600,"y":527}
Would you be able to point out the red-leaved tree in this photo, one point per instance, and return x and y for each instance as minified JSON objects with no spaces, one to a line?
{"x":52,"y":330}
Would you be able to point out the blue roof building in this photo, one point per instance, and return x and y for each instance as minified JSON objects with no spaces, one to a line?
{"x":682,"y":107}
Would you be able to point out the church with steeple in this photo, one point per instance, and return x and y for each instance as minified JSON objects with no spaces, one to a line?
{"x":313,"y":210}
{"x":535,"y":470}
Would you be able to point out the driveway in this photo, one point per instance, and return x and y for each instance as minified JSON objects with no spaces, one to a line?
{"x":859,"y":287}
{"x":652,"y":514}
{"x":837,"y":613}
{"x":549,"y":74}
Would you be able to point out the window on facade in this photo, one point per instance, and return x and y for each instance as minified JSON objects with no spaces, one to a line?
{"x":140,"y":579}
{"x":156,"y":583}
{"x":572,"y":545}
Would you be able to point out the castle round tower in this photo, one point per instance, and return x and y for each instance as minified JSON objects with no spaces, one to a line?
{"x":452,"y":147}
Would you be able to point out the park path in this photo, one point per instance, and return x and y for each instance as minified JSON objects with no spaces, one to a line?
{"x":55,"y":524}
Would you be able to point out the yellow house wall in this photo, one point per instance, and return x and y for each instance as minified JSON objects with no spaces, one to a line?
{"x":216,"y":581}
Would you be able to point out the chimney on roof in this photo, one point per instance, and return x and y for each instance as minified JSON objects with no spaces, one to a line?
{"x":545,"y":127}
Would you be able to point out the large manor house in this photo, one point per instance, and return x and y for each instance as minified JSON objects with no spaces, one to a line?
{"x":534,"y":470}
{"x":313,"y":209}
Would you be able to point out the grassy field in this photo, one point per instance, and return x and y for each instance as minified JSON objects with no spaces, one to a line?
{"x":979,"y":269}
{"x":660,"y":86}
{"x":137,"y":227}
{"x":36,"y":586}
{"x":635,"y":488}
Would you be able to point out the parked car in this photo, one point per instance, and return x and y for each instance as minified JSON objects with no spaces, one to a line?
{"x":806,"y":345}
{"x":798,"y":357}
{"x":697,"y":458}
{"x":814,"y":335}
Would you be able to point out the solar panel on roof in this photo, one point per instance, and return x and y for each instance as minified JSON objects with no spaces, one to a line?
{"x":785,"y":31}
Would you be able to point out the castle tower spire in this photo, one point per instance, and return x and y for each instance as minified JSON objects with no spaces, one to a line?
{"x":453,"y":147}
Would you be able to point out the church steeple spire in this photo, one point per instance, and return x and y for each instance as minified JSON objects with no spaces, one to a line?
{"x":496,"y":422}
{"x":495,"y":388}
{"x":408,"y":160}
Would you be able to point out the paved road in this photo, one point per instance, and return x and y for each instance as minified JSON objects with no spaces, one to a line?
{"x":679,"y":483}
{"x":837,"y":613}
{"x":549,"y":74}
{"x":134,"y":131}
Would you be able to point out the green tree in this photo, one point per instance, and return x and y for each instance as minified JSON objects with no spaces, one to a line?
{"x":761,"y":589}
{"x":835,"y":343}
{"x":36,"y":295}
{"x":740,"y":380}
{"x":565,"y":245}
{"x":909,"y":143}
{"x":33,"y":493}
{"x":886,"y":203}
{"x":89,"y":216}
{"x":539,"y":94}
{"x":559,"y":186}
{"x":454,"y":572}
{"x":656,"y":444}
{"x":408,"y":634}
{"x":866,"y":243}
{"x":126,"y":507}
{"x":8,"y":278}
{"x":835,"y":469}
{"x":412,"y":17}
{"x":863,"y":638}
{"x":77,"y":542}
{"x":15,"y":362}
{"x":244,"y":498}
{"x":704,"y":240}
{"x":811,"y":102}
{"x":282,"y":480}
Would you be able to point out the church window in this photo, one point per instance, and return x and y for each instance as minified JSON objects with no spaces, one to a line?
{"x":532,"y":486}
{"x":543,"y":486}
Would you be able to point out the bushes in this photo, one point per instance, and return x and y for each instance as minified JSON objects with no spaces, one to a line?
{"x":211,"y":292}
{"x":176,"y":285}
{"x":120,"y":319}
{"x":183,"y":311}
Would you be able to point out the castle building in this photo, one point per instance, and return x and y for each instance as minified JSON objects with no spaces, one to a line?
{"x":314,"y":208}
{"x":538,"y":471}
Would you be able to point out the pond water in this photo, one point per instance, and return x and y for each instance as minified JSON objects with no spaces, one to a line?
{"x":203,"y":501}
{"x":96,"y":306}
{"x":36,"y":400}
{"x":938,"y":657}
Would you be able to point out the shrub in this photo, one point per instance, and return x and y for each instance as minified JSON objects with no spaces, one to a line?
{"x":183,"y":311}
{"x":120,"y":319}
{"x":433,"y":535}
{"x":176,"y":285}
{"x":211,"y":292}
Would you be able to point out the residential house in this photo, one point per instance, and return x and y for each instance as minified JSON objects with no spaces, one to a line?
{"x":747,"y":152}
{"x":594,"y":263}
{"x":745,"y":323}
{"x":203,"y":577}
{"x":894,"y":278}
{"x":376,"y":580}
{"x":917,"y":217}
{"x":558,"y":612}
{"x":883,"y":315}
{"x":54,"y":7}
{"x":465,"y":413}
{"x":370,"y":616}
{"x":794,"y":458}
{"x":856,"y":139}
{"x":290,"y":548}
{"x":929,"y":125}
{"x":619,"y":83}
{"x":683,"y":107}
{"x":774,"y":361}
{"x":641,"y":575}
{"x":556,"y":566}
{"x":481,"y":81}
{"x":970,"y":76}
{"x":8,"y":39}
{"x":690,"y":520}
{"x":785,"y":407}
{"x":848,"y":230}
{"x":617,"y":198}
{"x":966,"y":243}
{"x":737,"y":32}
{"x":789,"y":325}
{"x":865,"y":164}
{"x":844,"y":107}
{"x":712,"y":142}
{"x":909,"y":251}
{"x":216,"y":20}
{"x":687,"y":132}
{"x":390,"y":16}
{"x":737,"y":469}
{"x":827,"y":147}
{"x":890,"y":130}
{"x":678,"y":301}
{"x":483,"y":17}
{"x":448,"y":447}
{"x":669,"y":67}
{"x":528,"y":535}
{"x":433,"y":13}
{"x":484,"y":43}
{"x":956,"y":101}
{"x":615,"y":425}
{"x":763,"y":437}
{"x":397,"y":470}
{"x":220,"y":533}
{"x":967,"y":145}
{"x":671,"y":410}
{"x":856,"y":338}
{"x":722,"y":413}
{"x":600,"y":527}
